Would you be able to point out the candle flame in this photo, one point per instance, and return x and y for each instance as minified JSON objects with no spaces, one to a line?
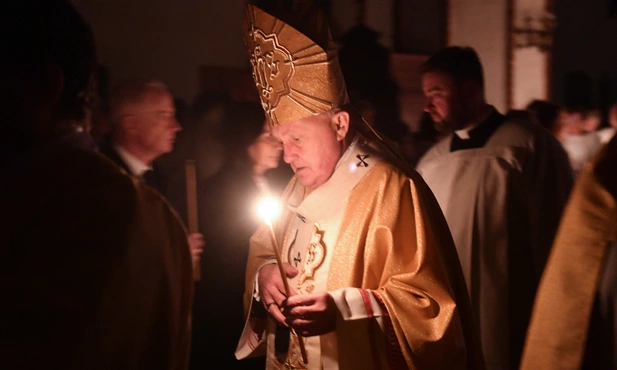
{"x":268,"y":209}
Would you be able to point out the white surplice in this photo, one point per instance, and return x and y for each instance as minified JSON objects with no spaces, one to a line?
{"x":503,"y":202}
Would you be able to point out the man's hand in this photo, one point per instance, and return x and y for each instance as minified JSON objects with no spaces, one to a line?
{"x":272,"y":289}
{"x":311,"y":314}
{"x":196,"y":246}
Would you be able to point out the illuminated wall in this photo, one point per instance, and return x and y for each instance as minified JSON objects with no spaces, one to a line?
{"x":482,"y":24}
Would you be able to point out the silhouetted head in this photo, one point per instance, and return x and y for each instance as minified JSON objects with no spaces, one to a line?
{"x":48,"y":65}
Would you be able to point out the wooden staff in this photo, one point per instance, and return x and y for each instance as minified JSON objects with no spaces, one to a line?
{"x":191,"y":206}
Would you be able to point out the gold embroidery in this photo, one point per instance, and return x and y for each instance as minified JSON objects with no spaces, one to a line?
{"x":296,"y":76}
{"x":310,"y":287}
{"x":315,"y":256}
{"x":272,"y":69}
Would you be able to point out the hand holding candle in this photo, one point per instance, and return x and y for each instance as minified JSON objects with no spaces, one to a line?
{"x":269,"y":209}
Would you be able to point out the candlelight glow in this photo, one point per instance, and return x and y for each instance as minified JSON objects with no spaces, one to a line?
{"x":268,"y":209}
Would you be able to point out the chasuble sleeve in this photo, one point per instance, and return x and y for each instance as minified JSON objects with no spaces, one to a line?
{"x":559,"y":326}
{"x":252,"y":339}
{"x":406,"y":260}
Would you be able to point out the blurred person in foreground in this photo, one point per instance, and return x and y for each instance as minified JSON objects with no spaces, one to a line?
{"x":144,"y":127}
{"x":502,"y":186}
{"x":95,"y":268}
{"x":573,"y":325}
{"x":373,"y":274}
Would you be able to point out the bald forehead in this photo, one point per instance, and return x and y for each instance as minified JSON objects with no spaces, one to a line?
{"x":304,"y":123}
{"x":321,"y":117}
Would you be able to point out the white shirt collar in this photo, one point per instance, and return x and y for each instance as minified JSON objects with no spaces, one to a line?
{"x":464,"y":133}
{"x":136,"y":166}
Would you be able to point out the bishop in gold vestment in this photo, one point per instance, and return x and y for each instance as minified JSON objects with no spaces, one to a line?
{"x":371,"y":235}
{"x":386,"y":255}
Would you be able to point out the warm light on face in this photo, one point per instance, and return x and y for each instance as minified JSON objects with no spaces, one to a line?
{"x":268,"y":209}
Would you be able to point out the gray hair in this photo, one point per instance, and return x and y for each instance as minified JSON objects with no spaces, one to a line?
{"x":131,"y":91}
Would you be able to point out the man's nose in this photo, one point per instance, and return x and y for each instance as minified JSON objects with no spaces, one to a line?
{"x":175,"y":125}
{"x":288,"y":154}
{"x":428,"y":105}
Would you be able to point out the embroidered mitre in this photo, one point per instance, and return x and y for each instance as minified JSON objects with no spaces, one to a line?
{"x":296,"y":76}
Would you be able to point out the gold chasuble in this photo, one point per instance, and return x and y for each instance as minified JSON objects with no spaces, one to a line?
{"x":560,"y":321}
{"x":376,"y":240}
{"x":372,"y":236}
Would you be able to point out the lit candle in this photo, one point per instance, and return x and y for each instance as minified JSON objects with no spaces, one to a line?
{"x":269,"y":209}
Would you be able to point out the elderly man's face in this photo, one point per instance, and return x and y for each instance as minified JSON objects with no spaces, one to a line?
{"x":155,"y":123}
{"x":312,"y":146}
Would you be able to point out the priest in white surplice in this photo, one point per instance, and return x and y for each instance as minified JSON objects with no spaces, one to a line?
{"x":375,"y":278}
{"x":502,"y":187}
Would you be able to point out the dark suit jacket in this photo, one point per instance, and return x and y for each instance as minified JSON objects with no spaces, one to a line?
{"x":156,"y":179}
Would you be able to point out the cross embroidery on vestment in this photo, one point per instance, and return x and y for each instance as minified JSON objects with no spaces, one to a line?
{"x":297,"y":260}
{"x":362,"y":162}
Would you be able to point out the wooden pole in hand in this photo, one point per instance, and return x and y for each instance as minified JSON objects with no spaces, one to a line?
{"x":191,"y":205}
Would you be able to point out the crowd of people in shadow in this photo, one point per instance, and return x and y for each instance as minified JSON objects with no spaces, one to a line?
{"x":581,"y":126}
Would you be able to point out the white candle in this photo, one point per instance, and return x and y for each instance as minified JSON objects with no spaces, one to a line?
{"x":269,"y":209}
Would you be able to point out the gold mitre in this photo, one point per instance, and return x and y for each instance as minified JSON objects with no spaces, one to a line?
{"x":296,"y":77}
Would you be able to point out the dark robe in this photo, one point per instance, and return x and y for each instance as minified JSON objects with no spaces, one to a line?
{"x":95,"y":271}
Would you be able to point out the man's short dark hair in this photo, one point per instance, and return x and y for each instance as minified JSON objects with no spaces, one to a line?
{"x":459,"y":63}
{"x":543,"y":112}
{"x":51,"y":32}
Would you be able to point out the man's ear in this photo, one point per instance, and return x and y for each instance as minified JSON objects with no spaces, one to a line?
{"x":127,"y":123}
{"x":470,"y":88}
{"x":340,"y":123}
